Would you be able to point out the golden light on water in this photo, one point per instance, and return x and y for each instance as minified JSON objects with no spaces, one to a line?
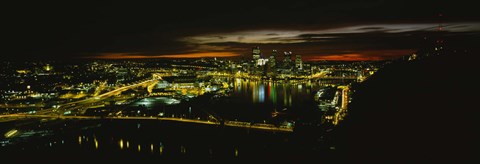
{"x":120,"y":143}
{"x":96,"y":143}
{"x":183,"y":150}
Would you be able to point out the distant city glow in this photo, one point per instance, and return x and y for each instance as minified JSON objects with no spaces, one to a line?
{"x":362,"y":56}
{"x":189,"y":55}
{"x":343,"y":57}
{"x":359,"y":56}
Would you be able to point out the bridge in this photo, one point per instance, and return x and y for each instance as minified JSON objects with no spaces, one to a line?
{"x":238,"y":124}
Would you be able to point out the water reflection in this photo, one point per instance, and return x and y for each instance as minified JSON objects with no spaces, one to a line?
{"x":268,"y":92}
{"x":161,"y":149}
{"x":183,"y":150}
{"x":96,"y":142}
{"x":261,"y":93}
{"x":247,"y":100}
{"x":236,"y":152}
{"x":120,"y":143}
{"x":114,"y":139}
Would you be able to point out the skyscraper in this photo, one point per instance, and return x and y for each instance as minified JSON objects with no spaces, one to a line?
{"x":287,"y":60}
{"x":272,"y":61}
{"x":255,"y":53}
{"x":288,"y":57}
{"x":298,"y":62}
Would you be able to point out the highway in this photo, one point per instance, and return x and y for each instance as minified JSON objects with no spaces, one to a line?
{"x":121,"y":89}
{"x":318,"y":75}
{"x":96,"y":98}
{"x":344,"y":105}
{"x":21,"y":105}
{"x":84,"y":104}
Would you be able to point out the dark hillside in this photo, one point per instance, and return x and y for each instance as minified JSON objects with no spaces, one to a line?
{"x":410,"y":111}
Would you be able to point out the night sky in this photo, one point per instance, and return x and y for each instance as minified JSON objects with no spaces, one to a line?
{"x":316,"y":29}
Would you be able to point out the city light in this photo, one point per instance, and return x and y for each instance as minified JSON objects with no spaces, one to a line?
{"x":120,"y":143}
{"x":96,"y":142}
{"x":10,"y":133}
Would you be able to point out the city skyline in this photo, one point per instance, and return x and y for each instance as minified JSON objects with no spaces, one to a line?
{"x":349,"y":30}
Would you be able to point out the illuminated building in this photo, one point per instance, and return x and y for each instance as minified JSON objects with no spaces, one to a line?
{"x":47,"y":67}
{"x":298,"y":62}
{"x":272,"y":60}
{"x":288,"y":57}
{"x":261,"y":62}
{"x":287,"y":60}
{"x":256,"y":53}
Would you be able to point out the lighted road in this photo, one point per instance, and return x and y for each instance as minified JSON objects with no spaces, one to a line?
{"x":261,"y":127}
{"x":21,"y":105}
{"x":96,"y":98}
{"x":93,"y":100}
{"x":344,"y":105}
{"x":266,"y":127}
{"x":319,"y":75}
{"x":121,"y":89}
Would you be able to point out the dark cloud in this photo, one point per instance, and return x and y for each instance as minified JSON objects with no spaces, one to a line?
{"x":66,"y":29}
{"x":272,"y":34}
{"x":377,"y":45}
{"x":372,"y":29}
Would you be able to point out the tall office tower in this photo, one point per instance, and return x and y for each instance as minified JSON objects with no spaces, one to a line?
{"x":298,"y":62}
{"x":256,"y":53}
{"x":288,"y":57}
{"x":274,"y":54}
{"x":273,"y":59}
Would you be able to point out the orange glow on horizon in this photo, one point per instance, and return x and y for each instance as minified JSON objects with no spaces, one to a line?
{"x":190,"y":55}
{"x":361,"y":56}
{"x":343,"y":57}
{"x":366,"y":55}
